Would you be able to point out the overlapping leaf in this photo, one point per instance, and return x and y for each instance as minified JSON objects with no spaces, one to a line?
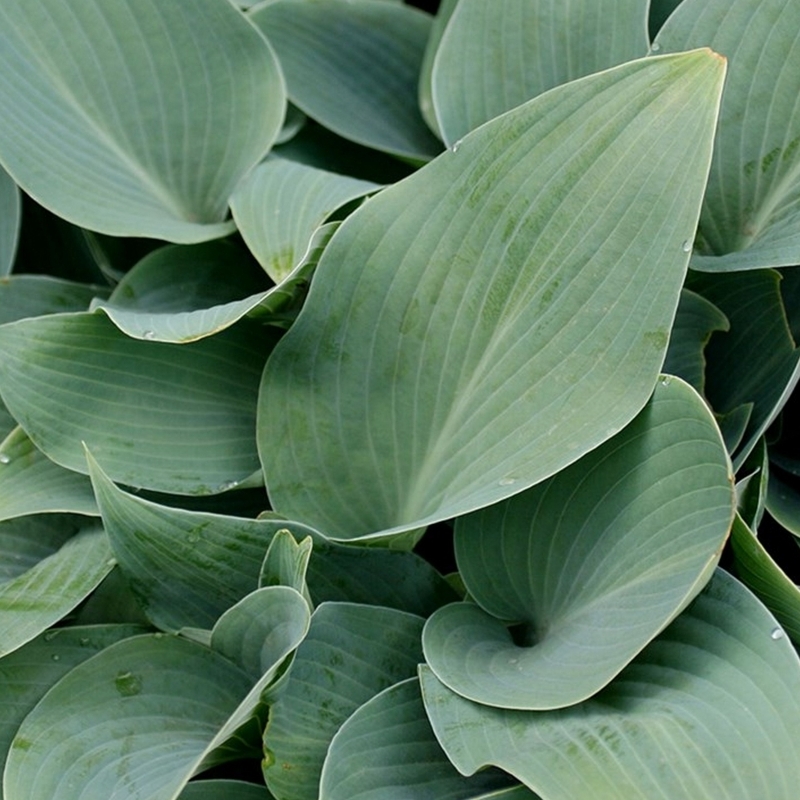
{"x":30,"y":483}
{"x":174,"y":418}
{"x":709,"y":711}
{"x":182,"y":294}
{"x":34,"y":295}
{"x":135,"y":118}
{"x":492,"y":57}
{"x":591,"y":564}
{"x":136,"y":720}
{"x":751,"y":211}
{"x":10,"y":207}
{"x":351,"y":653}
{"x":480,"y":325}
{"x":366,"y":91}
{"x":231,"y":790}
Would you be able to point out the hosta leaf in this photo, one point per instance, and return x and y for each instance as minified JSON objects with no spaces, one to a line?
{"x":10,"y":208}
{"x":759,"y":572}
{"x":185,"y":567}
{"x":593,"y":563}
{"x":286,"y":563}
{"x":367,"y":91}
{"x":425,"y":88}
{"x":695,"y":321}
{"x":134,"y":721}
{"x":30,"y":483}
{"x":281,"y":203}
{"x":25,"y":541}
{"x":351,"y":653}
{"x":135,"y":118}
{"x":230,"y":790}
{"x":709,"y":711}
{"x":493,"y":57}
{"x":175,"y":418}
{"x":659,"y":13}
{"x":471,"y":330}
{"x":756,"y":362}
{"x":34,"y":295}
{"x":751,"y":211}
{"x":783,"y":503}
{"x":392,"y":735}
{"x":38,"y":598}
{"x":27,"y":673}
{"x":185,"y":293}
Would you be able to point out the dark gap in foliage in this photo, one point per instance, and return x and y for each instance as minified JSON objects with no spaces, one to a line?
{"x":436,"y":547}
{"x":782,"y":546}
{"x":431,"y":6}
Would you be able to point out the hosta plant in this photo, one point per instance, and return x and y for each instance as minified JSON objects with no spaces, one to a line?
{"x":399,"y":402}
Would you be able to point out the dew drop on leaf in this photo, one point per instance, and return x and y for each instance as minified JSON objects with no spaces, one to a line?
{"x":687,"y":246}
{"x":150,"y":335}
{"x":127,"y":684}
{"x":777,"y":633}
{"x":5,"y":458}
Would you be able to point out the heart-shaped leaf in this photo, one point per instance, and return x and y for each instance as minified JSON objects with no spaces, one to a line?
{"x":136,"y":720}
{"x":591,"y":564}
{"x":147,"y":125}
{"x":366,"y":91}
{"x":493,"y":57}
{"x":487,"y":321}
{"x":751,"y":210}
{"x":174,"y":418}
{"x":709,"y":710}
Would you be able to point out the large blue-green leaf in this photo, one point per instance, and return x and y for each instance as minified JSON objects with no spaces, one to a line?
{"x":135,"y":117}
{"x":494,"y":56}
{"x":709,"y":711}
{"x":169,"y":417}
{"x":751,"y":211}
{"x":135,"y":721}
{"x":353,"y":65}
{"x":27,"y":673}
{"x":10,"y":208}
{"x":392,"y":735}
{"x":480,"y":325}
{"x":30,"y":483}
{"x":39,"y":597}
{"x":592,"y":563}
{"x":351,"y":653}
{"x":34,"y":295}
{"x":185,"y":567}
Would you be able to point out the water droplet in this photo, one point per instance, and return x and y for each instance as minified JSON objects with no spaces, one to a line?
{"x":686,"y":246}
{"x":5,"y":458}
{"x":158,"y":635}
{"x":456,"y":145}
{"x":228,"y":485}
{"x":84,"y":641}
{"x":666,"y":380}
{"x":127,"y":684}
{"x":56,"y":657}
{"x":655,"y":47}
{"x":192,"y":538}
{"x":149,"y":335}
{"x":777,"y":634}
{"x":507,"y":481}
{"x":50,"y":635}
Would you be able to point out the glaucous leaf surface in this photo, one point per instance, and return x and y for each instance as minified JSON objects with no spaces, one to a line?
{"x":30,"y":483}
{"x":219,"y":788}
{"x":495,"y":56}
{"x":751,"y":210}
{"x":351,"y":653}
{"x":391,"y":734}
{"x":174,"y":418}
{"x":35,"y":295}
{"x":286,"y":563}
{"x":425,"y":88}
{"x":695,"y":321}
{"x":134,"y":721}
{"x":136,"y":118}
{"x":764,"y":577}
{"x":280,"y":205}
{"x":478,"y":326}
{"x":708,"y":711}
{"x":590,"y":564}
{"x":365,"y":91}
{"x":757,"y":361}
{"x":10,"y":209}
{"x":184,"y":293}
{"x":39,"y":597}
{"x":25,"y":541}
{"x":27,"y":673}
{"x":186,"y":567}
